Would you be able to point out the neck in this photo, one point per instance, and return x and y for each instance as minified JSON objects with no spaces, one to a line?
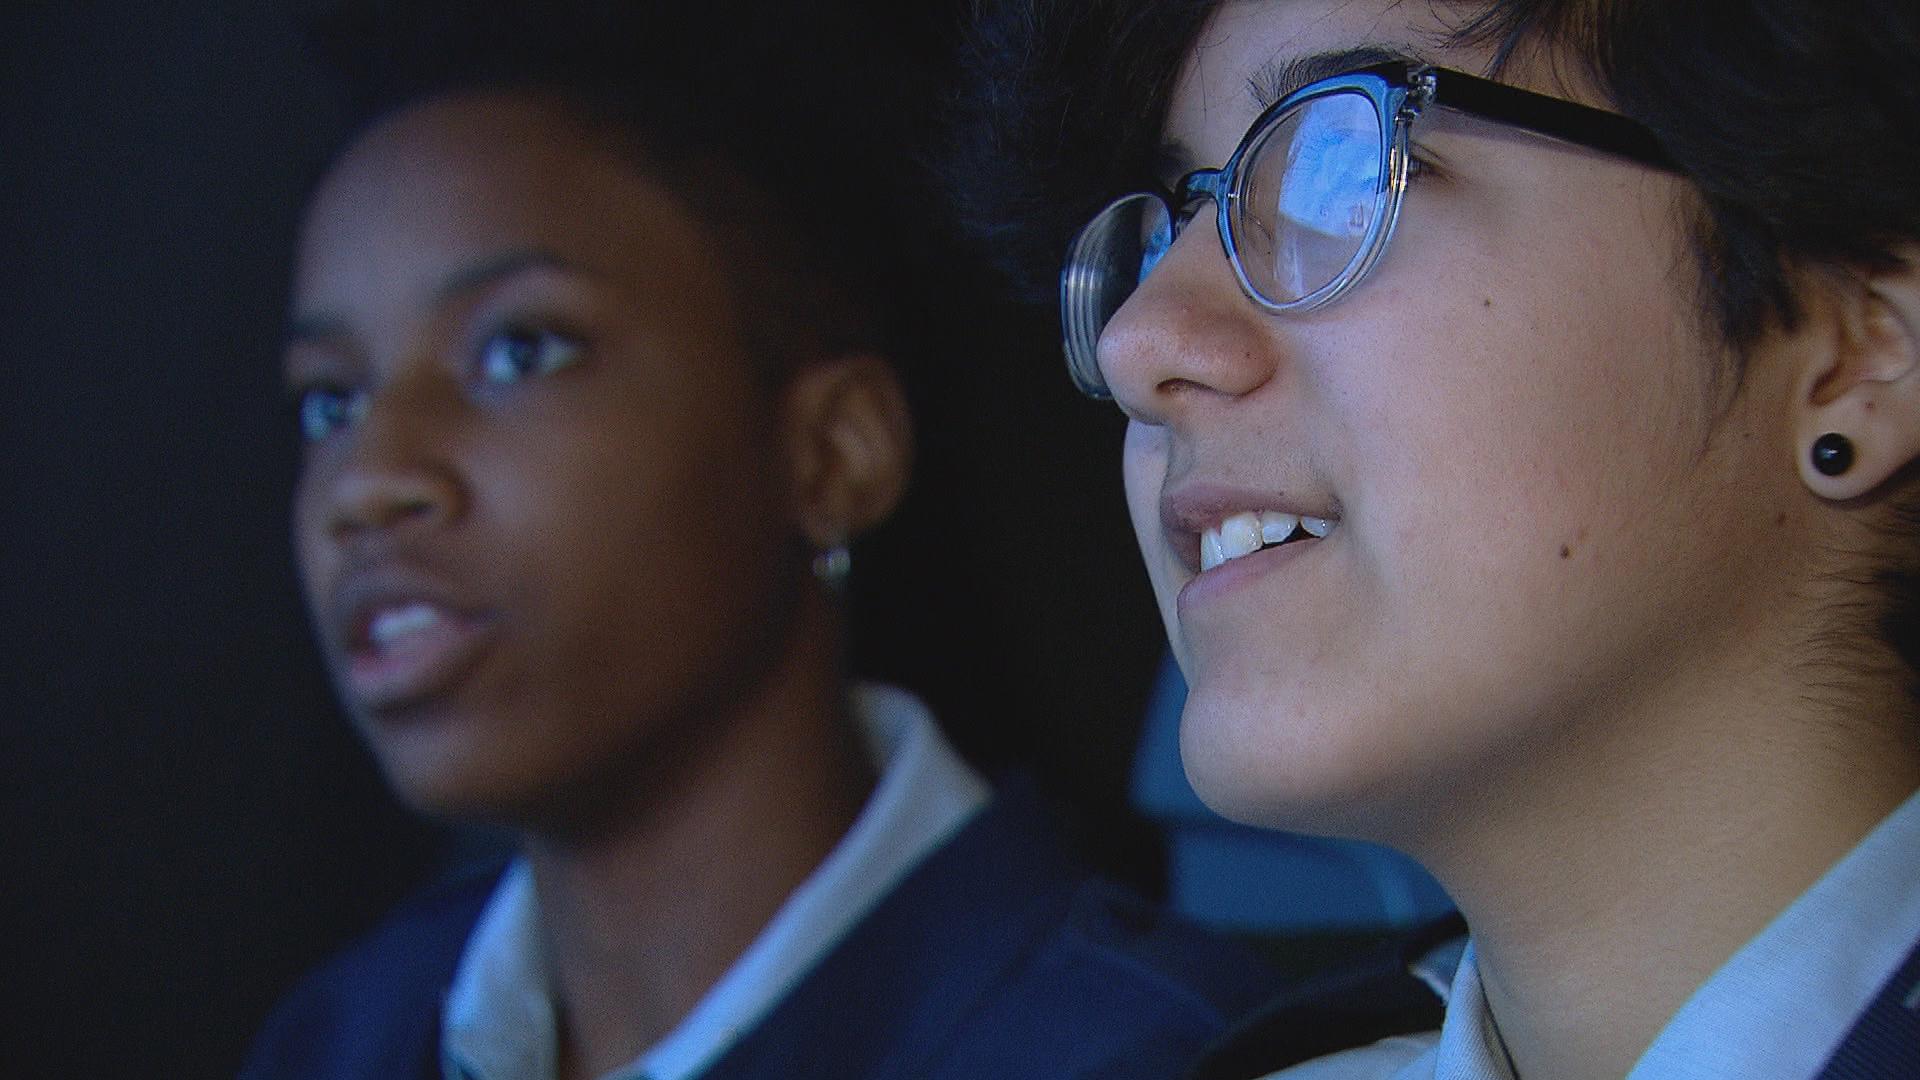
{"x":643,"y":913}
{"x":1606,"y":886}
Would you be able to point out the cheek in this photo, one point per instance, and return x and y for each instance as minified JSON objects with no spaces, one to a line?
{"x":1144,"y":470}
{"x":644,"y":585}
{"x":1508,"y":469}
{"x":1526,"y":510}
{"x":670,"y":539}
{"x":312,"y":555}
{"x":1143,"y":467}
{"x":1489,"y":491}
{"x":1540,"y":391}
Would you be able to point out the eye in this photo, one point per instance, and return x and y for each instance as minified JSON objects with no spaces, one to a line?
{"x":518,"y":352}
{"x":1425,"y":161}
{"x":323,"y":410}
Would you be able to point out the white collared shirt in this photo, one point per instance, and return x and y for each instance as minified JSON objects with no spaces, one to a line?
{"x":498,"y":1023}
{"x":1778,"y":1008}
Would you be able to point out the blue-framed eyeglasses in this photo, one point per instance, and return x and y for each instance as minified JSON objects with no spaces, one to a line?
{"x":1311,"y":195}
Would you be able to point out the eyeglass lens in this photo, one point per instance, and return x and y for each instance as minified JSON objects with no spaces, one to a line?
{"x":1311,"y":192}
{"x":1109,"y":259}
{"x":1306,"y":208}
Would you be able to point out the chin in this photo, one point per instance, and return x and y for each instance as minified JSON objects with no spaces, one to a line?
{"x":1292,"y":768}
{"x":451,"y":799}
{"x":455,"y":784}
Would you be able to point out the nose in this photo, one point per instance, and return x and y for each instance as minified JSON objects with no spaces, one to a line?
{"x":390,"y":499}
{"x":396,"y":472}
{"x":1188,"y":333}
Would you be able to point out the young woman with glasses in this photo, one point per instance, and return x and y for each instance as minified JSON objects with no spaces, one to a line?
{"x":1522,"y":404}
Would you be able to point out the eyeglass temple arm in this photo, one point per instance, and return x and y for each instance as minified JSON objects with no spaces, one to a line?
{"x":1568,"y":121}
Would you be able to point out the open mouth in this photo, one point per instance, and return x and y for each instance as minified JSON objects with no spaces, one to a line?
{"x":404,"y":649}
{"x":1244,"y":533}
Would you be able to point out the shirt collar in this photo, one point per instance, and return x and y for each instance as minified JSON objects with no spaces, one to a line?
{"x":1780,"y":1005}
{"x":498,"y":1023}
{"x":1469,"y":1046}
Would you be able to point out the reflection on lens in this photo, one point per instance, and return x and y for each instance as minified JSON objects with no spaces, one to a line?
{"x":1156,"y":236}
{"x":1311,"y":195}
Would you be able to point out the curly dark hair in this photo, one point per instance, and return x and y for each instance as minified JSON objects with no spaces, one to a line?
{"x":1058,"y":109}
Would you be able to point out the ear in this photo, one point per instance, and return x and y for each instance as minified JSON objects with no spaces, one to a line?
{"x":1862,"y":381}
{"x":851,"y":444}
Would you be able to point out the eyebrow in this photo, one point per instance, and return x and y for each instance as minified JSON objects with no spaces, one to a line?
{"x":1278,"y":77}
{"x":487,"y":271}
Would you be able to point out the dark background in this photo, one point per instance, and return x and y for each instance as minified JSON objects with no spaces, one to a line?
{"x":189,"y":822}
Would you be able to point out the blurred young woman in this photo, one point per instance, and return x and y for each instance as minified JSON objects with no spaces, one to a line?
{"x":586,"y":349}
{"x":1522,"y":398}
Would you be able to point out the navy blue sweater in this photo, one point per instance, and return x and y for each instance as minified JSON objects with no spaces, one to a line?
{"x":997,"y":957}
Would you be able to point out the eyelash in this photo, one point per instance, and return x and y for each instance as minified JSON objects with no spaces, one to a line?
{"x":322,"y":408}
{"x":1421,"y":163}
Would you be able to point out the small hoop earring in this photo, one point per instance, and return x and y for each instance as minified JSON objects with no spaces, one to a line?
{"x":832,"y":567}
{"x":1832,"y":454}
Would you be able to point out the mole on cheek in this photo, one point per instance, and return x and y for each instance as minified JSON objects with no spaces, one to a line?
{"x":1566,"y":552}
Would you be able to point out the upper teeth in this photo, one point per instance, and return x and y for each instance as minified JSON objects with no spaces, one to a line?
{"x":391,"y":624}
{"x":1245,"y":533}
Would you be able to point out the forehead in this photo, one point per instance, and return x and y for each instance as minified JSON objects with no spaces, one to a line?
{"x":458,"y":179}
{"x":1251,"y":51}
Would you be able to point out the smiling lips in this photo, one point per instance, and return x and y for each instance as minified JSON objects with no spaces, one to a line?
{"x":1249,"y":531}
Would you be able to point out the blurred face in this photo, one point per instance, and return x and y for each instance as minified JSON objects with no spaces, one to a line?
{"x":1510,"y":435}
{"x":540,"y":518}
